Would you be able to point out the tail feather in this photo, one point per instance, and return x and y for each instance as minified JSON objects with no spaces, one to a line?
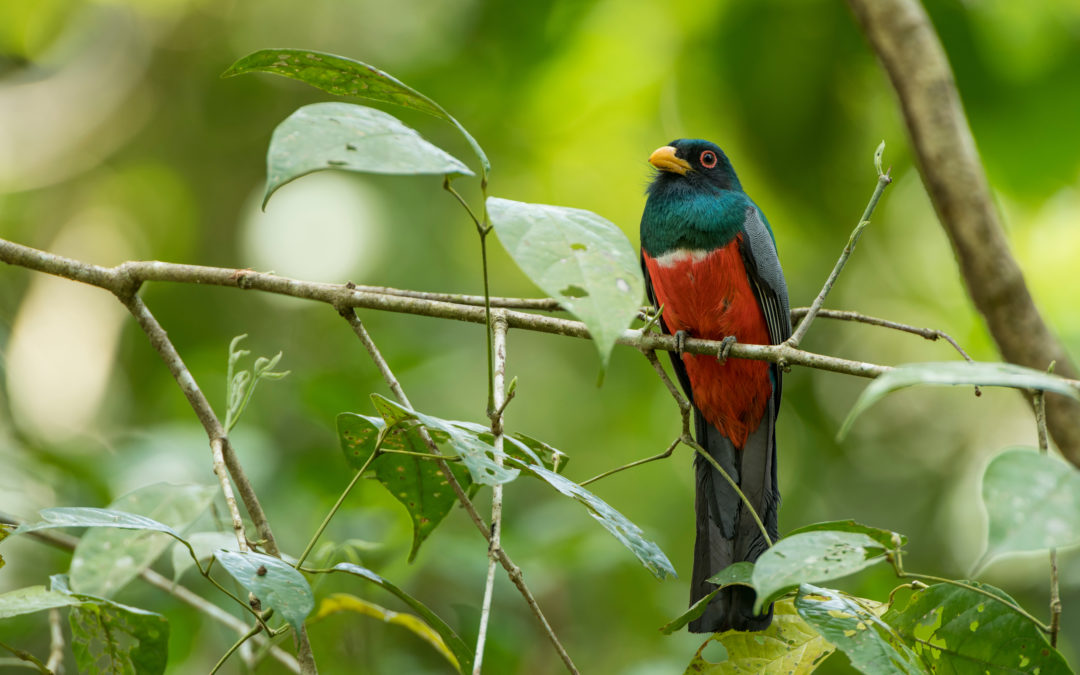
{"x":726,"y":532}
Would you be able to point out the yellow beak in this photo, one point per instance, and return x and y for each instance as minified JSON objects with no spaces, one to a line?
{"x":664,"y":159}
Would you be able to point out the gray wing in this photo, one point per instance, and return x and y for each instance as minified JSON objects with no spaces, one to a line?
{"x":763,"y":266}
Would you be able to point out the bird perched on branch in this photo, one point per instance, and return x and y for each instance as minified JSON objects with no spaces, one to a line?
{"x":710,"y":262}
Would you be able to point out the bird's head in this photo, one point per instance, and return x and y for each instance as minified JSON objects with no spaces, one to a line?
{"x":699,"y":163}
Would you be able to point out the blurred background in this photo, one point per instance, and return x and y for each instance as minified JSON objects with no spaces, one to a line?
{"x":118,"y":140}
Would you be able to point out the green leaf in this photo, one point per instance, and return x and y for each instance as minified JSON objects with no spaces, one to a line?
{"x":956,"y":373}
{"x":351,"y":138}
{"x":343,"y":602}
{"x":32,"y":599}
{"x":114,"y":638}
{"x":418,"y":483}
{"x":960,"y":630}
{"x":345,"y":77}
{"x":273,"y":581}
{"x":465,"y":443}
{"x":522,"y":447}
{"x":629,"y":534}
{"x":868,"y":642}
{"x":887,"y":538}
{"x":1032,"y":500}
{"x":108,"y":637}
{"x":203,"y":544}
{"x":106,"y":559}
{"x":578,"y":258}
{"x":86,"y":516}
{"x":811,"y":557}
{"x":737,"y":573}
{"x":789,"y":646}
{"x":461,"y":651}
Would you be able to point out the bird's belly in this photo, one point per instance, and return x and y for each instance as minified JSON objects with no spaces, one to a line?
{"x":708,"y":295}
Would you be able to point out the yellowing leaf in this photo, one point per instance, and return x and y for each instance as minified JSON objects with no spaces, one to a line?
{"x":344,"y":602}
{"x":789,"y":646}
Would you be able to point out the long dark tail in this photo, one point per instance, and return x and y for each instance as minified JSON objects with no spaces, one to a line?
{"x":726,"y":532}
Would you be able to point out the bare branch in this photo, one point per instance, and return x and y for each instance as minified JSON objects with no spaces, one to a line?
{"x":512,"y":570}
{"x":904,"y":39}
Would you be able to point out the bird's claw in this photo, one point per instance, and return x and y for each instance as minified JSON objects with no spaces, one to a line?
{"x":680,"y":341}
{"x":725,"y":349}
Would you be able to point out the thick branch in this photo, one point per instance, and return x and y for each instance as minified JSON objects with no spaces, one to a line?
{"x":904,"y":39}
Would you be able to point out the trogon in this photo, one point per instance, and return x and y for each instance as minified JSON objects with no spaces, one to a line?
{"x":710,"y":261}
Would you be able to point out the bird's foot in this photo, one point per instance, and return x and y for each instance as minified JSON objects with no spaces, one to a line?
{"x":680,"y":341}
{"x":725,"y":349}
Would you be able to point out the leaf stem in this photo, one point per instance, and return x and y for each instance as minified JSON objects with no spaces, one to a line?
{"x":341,"y":498}
{"x":1039,"y":401}
{"x":236,"y":645}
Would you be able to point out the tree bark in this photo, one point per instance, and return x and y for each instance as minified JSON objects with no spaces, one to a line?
{"x":908,"y":47}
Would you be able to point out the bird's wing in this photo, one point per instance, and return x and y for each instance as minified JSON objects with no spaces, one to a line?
{"x":767,"y":280}
{"x":763,"y":265}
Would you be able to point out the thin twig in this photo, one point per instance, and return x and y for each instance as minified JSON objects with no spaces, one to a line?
{"x":182,"y":593}
{"x":499,"y":390}
{"x":687,"y":439}
{"x":663,"y":455}
{"x":26,"y":657}
{"x":512,"y":570}
{"x":815,"y":307}
{"x":226,"y":488}
{"x":931,"y":334}
{"x":159,"y":339}
{"x":56,"y":643}
{"x":1039,"y":401}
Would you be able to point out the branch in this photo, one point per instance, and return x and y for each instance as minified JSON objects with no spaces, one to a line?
{"x":1039,"y":399}
{"x":56,"y":643}
{"x":512,"y":570}
{"x":499,"y":400}
{"x":905,"y":42}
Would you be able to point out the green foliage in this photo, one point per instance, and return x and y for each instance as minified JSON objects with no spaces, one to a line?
{"x":456,"y":645}
{"x":418,"y":483}
{"x":344,"y":602}
{"x":202,"y":547}
{"x":956,"y":373}
{"x":107,"y":558}
{"x":1033,"y":502}
{"x":108,"y":637}
{"x":350,"y":138}
{"x":958,"y":629}
{"x":886,"y":538}
{"x":789,"y":646}
{"x":273,"y":581}
{"x":241,"y":384}
{"x":812,"y":557}
{"x":857,"y":631}
{"x":345,"y":77}
{"x":740,"y":573}
{"x":33,"y":599}
{"x":578,"y":258}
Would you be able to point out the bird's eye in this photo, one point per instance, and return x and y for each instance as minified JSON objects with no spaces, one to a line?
{"x":708,"y":159}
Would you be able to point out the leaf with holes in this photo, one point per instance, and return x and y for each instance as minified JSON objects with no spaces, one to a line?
{"x":344,"y":602}
{"x":578,"y":258}
{"x":108,"y":637}
{"x":628,"y":534}
{"x":811,"y":557}
{"x":345,"y":77}
{"x":868,"y":642}
{"x":955,"y":629}
{"x":106,"y":559}
{"x":456,"y":645}
{"x":887,"y":538}
{"x":273,"y":581}
{"x":789,"y":646}
{"x":418,"y":483}
{"x":1032,"y":500}
{"x":351,"y":138}
{"x":463,"y":442}
{"x":956,"y":373}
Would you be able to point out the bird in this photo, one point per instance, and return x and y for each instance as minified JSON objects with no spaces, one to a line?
{"x":711,"y":269}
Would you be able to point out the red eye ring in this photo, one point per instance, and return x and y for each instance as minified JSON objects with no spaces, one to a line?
{"x":708,"y":159}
